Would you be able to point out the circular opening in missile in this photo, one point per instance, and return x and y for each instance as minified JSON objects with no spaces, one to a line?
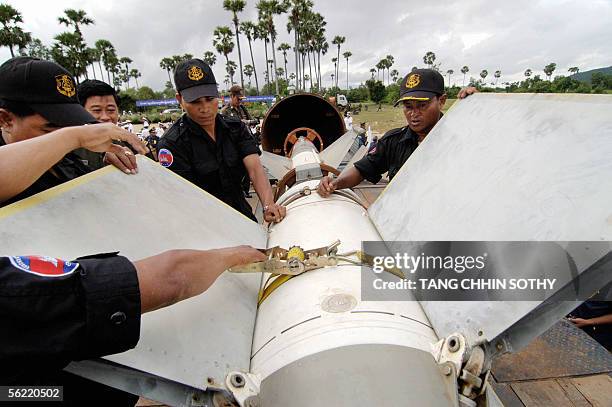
{"x":300,"y":110}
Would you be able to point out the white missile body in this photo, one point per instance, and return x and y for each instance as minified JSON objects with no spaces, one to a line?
{"x":496,"y":167}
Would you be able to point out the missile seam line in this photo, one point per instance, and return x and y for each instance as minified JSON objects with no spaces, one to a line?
{"x":416,"y":320}
{"x":262,"y":346}
{"x":300,"y":323}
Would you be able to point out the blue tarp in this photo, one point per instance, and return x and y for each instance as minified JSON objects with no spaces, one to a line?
{"x":173,"y":102}
{"x":156,"y":102}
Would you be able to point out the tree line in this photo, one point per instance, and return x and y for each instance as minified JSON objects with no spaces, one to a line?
{"x":69,"y":48}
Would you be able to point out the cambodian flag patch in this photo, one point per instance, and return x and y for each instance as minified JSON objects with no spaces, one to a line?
{"x":165,"y":157}
{"x":44,"y":266}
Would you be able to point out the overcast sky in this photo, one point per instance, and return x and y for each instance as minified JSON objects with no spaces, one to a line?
{"x":507,"y":35}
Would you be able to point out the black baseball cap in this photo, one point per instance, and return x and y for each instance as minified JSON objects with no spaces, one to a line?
{"x":421,"y":84}
{"x":194,"y":79}
{"x":45,"y":87}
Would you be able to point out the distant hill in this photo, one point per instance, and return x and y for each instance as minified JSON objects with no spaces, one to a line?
{"x":586,"y":75}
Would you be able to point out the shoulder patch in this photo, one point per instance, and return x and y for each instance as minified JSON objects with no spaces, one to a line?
{"x":44,"y":266}
{"x":165,"y":157}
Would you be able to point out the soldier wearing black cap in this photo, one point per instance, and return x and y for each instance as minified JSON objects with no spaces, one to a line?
{"x":38,"y":97}
{"x":422,"y":97}
{"x":212,"y":151}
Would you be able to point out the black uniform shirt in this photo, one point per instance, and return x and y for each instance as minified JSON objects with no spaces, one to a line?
{"x":391,"y":152}
{"x":214,"y":166}
{"x":53,"y":312}
{"x":69,"y":168}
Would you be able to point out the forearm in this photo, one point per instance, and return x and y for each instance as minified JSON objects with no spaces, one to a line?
{"x":602,"y":320}
{"x":22,"y":163}
{"x":348,"y":178}
{"x":262,"y":185}
{"x":176,"y":275}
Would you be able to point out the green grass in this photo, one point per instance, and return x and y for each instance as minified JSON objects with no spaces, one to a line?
{"x":388,"y":118}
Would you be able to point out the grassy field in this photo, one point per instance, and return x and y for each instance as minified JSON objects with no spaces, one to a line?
{"x":388,"y":118}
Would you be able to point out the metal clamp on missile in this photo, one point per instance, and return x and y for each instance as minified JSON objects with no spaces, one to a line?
{"x":292,"y":262}
{"x":284,"y":264}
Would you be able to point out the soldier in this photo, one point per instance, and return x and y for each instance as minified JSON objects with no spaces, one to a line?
{"x":213,"y":151}
{"x":37,"y":97}
{"x":235,"y":108}
{"x":101,"y":101}
{"x":422,"y":97}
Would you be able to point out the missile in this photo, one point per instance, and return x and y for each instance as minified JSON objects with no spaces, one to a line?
{"x":296,"y":330}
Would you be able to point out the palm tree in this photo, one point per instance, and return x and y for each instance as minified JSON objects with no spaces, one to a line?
{"x":429,"y":58}
{"x":332,"y":76}
{"x":126,"y":61}
{"x":394,"y":75}
{"x":372,"y":71}
{"x":37,"y":49}
{"x":261,"y":33}
{"x":464,"y":70}
{"x":209,"y":58}
{"x":248,"y":71}
{"x":11,"y":35}
{"x":167,"y":64}
{"x":338,"y":41}
{"x":66,"y":51}
{"x":76,"y":19}
{"x":449,"y":72}
{"x":236,"y":6}
{"x":335,"y":61}
{"x":496,"y":75}
{"x":223,"y":43}
{"x":573,"y":69}
{"x":104,"y":48}
{"x":135,"y":73}
{"x":231,"y":70}
{"x":483,"y":74}
{"x":528,"y":72}
{"x":380,"y":65}
{"x":249,"y":30}
{"x":284,"y":47}
{"x":346,"y":56}
{"x":299,"y":12}
{"x":549,"y":69}
{"x":267,"y":9}
{"x":389,"y":60}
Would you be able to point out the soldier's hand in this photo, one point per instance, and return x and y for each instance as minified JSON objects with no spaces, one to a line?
{"x":465,"y":92}
{"x":99,"y":138}
{"x":274,"y":213}
{"x":124,"y":161}
{"x":241,"y":255}
{"x":580,"y":322}
{"x":326,"y":186}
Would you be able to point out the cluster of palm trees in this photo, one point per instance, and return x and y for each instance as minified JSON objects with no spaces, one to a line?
{"x":309,"y":44}
{"x":69,"y":49}
{"x":385,"y":63}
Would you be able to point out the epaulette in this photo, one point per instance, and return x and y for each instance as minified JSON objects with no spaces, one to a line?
{"x":394,"y":132}
{"x":175,"y":131}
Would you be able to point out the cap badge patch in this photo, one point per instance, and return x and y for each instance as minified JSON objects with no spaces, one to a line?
{"x":64,"y":85}
{"x":413,"y":80}
{"x":195,"y":73}
{"x":44,"y":266}
{"x":165,"y":157}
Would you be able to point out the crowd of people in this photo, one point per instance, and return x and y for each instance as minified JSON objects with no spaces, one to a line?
{"x":54,"y":131}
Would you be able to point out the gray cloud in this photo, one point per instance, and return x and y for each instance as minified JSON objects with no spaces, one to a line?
{"x":510,"y":36}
